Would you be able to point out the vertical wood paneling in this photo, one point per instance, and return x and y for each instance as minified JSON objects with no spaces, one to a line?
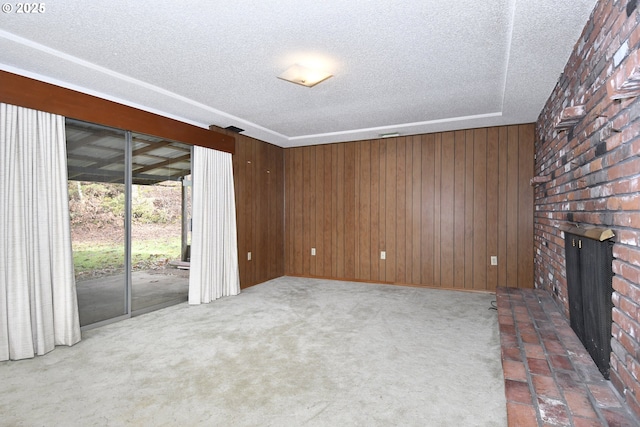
{"x":390,"y":211}
{"x":428,"y":209}
{"x":493,"y":172}
{"x":249,"y":209}
{"x":416,"y":213}
{"x":356,"y":212}
{"x":260,"y":185}
{"x":525,"y":203}
{"x":328,"y":210}
{"x":407,"y":207}
{"x":503,"y":177}
{"x":350,"y":210}
{"x":459,"y":242}
{"x":512,"y":206}
{"x":447,"y":209}
{"x":270,"y":211}
{"x":437,"y":206}
{"x":307,"y":195}
{"x":318,"y":240}
{"x":382,"y":245}
{"x":440,"y":205}
{"x":288,"y":211}
{"x":298,"y":242}
{"x":374,"y":232}
{"x":261,"y":219}
{"x":401,"y":212}
{"x":480,"y":259}
{"x":256,"y":202}
{"x":278,"y":193}
{"x":364,"y":220}
{"x":340,"y":231}
{"x":335,"y":225}
{"x":468,"y":210}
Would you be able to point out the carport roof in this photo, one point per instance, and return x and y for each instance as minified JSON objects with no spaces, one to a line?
{"x":97,"y":154}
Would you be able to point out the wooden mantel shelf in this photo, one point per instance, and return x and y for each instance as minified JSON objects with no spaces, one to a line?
{"x":628,"y":88}
{"x":570,"y":116}
{"x":595,"y":233}
{"x":625,"y":82}
{"x":540,"y":179}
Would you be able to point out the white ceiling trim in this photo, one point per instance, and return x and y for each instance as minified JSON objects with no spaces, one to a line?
{"x":377,"y":130}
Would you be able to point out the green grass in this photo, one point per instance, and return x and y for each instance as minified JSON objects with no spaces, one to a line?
{"x":91,"y":257}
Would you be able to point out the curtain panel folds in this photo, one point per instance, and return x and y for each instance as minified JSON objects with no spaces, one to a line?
{"x":214,"y":242}
{"x":38,"y":302}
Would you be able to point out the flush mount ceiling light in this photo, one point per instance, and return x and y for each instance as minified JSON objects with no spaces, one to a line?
{"x":304,"y":76}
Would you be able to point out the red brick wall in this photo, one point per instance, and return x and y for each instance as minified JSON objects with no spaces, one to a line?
{"x":595,"y":175}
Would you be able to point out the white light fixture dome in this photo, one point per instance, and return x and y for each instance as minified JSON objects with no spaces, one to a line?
{"x":304,"y":76}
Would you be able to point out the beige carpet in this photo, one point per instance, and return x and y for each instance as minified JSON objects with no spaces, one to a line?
{"x":289,"y":352}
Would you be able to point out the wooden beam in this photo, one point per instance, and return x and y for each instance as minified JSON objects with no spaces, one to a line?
{"x":89,"y":139}
{"x":35,"y":94}
{"x":162,"y":164}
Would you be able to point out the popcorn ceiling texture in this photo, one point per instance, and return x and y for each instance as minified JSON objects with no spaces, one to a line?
{"x":412,"y":67}
{"x":595,"y":176}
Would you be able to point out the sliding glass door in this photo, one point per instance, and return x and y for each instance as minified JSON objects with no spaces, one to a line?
{"x":128,"y":207}
{"x":96,"y":162}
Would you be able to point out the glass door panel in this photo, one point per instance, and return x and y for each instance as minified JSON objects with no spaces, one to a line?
{"x":159,"y":267}
{"x":96,"y":159}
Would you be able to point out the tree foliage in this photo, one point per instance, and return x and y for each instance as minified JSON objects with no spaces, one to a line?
{"x":101,"y":205}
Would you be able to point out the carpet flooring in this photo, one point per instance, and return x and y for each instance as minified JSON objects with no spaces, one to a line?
{"x":288,"y":352}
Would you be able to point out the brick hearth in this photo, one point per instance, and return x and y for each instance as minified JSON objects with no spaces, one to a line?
{"x":550,"y":379}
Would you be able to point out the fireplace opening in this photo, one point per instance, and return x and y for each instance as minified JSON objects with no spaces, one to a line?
{"x":589,"y":263}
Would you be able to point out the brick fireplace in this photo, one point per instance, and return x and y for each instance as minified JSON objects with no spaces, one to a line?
{"x":588,"y":173}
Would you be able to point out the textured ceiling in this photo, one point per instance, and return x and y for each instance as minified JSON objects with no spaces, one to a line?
{"x":398,"y":66}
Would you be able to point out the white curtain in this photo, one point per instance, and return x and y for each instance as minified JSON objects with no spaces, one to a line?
{"x":38,"y":304}
{"x":214,"y":241}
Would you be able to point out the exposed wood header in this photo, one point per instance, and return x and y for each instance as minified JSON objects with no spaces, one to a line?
{"x":38,"y":95}
{"x":595,"y":233}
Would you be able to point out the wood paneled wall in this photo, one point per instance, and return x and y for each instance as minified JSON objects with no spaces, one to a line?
{"x":440,"y":205}
{"x":258,"y":170}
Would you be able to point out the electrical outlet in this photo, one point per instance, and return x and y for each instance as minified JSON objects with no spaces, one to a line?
{"x":494,"y":260}
{"x":313,"y":251}
{"x":248,"y":256}
{"x":383,"y":255}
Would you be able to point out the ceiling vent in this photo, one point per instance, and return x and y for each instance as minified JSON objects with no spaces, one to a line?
{"x":234,"y":129}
